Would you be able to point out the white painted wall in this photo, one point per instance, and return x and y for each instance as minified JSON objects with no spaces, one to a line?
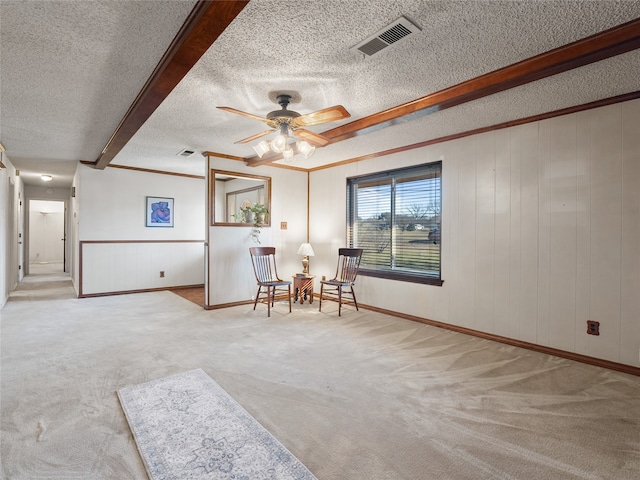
{"x":5,"y":228}
{"x":231,"y":273}
{"x":111,"y":207}
{"x":73,"y":233}
{"x":540,"y":232}
{"x":112,"y":203}
{"x":11,"y":226}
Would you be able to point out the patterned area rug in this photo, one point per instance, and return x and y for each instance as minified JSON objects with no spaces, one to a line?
{"x":187,"y":427}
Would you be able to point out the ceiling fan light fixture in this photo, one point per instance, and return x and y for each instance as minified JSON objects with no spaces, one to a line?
{"x":262,"y":148}
{"x":287,"y":122}
{"x":306,"y":148}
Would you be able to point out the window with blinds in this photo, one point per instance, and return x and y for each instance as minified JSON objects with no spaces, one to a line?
{"x":395,"y":216}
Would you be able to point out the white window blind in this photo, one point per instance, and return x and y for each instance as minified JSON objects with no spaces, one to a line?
{"x":395,"y":216}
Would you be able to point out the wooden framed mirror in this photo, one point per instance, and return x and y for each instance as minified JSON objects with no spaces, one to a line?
{"x":240,"y":199}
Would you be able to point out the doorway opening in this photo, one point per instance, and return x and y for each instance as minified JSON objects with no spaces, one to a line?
{"x":47,"y":237}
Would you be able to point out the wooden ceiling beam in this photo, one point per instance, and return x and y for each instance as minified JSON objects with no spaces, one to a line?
{"x":614,"y":41}
{"x":203,"y":26}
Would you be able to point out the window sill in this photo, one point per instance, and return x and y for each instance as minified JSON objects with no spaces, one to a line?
{"x":402,"y":277}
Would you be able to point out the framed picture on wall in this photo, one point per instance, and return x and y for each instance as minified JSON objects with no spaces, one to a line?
{"x":159,"y":212}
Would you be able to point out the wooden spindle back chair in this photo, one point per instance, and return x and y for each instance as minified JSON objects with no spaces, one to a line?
{"x":346,"y":273}
{"x":264,"y":266}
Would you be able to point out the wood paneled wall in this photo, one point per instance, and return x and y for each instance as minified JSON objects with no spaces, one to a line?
{"x":541,"y":232}
{"x":109,"y":267}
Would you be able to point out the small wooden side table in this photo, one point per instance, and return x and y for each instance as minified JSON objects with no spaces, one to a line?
{"x":303,"y":287}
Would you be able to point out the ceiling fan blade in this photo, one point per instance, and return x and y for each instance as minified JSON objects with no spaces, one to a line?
{"x":311,"y":137}
{"x":331,"y":114}
{"x":253,"y":137}
{"x":244,"y":114}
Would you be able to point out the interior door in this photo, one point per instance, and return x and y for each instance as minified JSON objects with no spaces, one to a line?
{"x":46,"y":236}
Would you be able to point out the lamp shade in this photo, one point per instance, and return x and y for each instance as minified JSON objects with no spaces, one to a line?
{"x":306,"y":148}
{"x":288,"y":154}
{"x":262,"y":148}
{"x":279,"y":144}
{"x":306,"y":249}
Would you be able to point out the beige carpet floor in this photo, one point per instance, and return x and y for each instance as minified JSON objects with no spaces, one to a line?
{"x":362,"y":396}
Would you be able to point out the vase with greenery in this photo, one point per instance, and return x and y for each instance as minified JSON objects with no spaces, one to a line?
{"x":260,"y":211}
{"x":255,"y":214}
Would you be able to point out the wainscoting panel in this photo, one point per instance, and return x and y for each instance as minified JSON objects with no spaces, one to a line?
{"x":583,"y":229}
{"x":485,"y":179}
{"x":502,"y":227}
{"x":606,"y":229}
{"x":630,"y":273}
{"x":515,"y":233}
{"x":466,"y":261}
{"x":528,"y":247}
{"x":544,"y":231}
{"x":127,"y":266}
{"x":562,"y":250}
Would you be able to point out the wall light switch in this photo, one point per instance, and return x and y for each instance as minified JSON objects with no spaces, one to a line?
{"x":283,"y":225}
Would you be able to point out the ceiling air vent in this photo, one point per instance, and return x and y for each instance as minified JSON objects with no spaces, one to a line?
{"x":398,"y":30}
{"x":185,"y":153}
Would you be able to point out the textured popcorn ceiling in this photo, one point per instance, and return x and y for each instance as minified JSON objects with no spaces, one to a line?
{"x":70,"y":70}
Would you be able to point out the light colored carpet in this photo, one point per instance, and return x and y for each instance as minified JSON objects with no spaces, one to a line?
{"x":46,"y":268}
{"x":186,"y":426}
{"x":362,"y":396}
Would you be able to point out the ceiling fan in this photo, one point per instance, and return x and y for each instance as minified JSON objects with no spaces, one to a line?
{"x":287,"y":121}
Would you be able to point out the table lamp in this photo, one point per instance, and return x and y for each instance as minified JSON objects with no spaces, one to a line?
{"x":307,"y":250}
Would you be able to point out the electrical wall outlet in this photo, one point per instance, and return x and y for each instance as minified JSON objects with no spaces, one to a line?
{"x":161,"y":273}
{"x":593,"y":328}
{"x":283,"y":225}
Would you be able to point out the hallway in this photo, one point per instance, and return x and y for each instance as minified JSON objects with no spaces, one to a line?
{"x":45,"y":268}
{"x":45,"y":282}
